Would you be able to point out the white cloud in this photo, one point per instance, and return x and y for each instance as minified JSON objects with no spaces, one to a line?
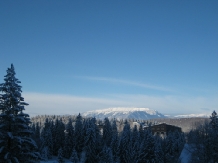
{"x":127,"y":82}
{"x":66,"y":104}
{"x":173,"y":104}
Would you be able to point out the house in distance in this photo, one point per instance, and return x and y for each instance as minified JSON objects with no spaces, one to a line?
{"x":164,"y":129}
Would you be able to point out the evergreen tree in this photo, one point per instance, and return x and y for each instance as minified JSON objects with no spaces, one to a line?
{"x":45,"y":153}
{"x":33,"y":128}
{"x":214,"y":120}
{"x":16,"y":143}
{"x":60,"y":156}
{"x":107,"y":132}
{"x":106,"y":155}
{"x":147,"y":149}
{"x":90,"y":143}
{"x":69,"y":139}
{"x":36,"y":136}
{"x":115,"y":142}
{"x":79,"y":135}
{"x":159,"y":153}
{"x":200,"y":141}
{"x":125,"y":141}
{"x":99,"y":143}
{"x":178,"y":143}
{"x":59,"y":136}
{"x":214,"y":136}
{"x":141,"y":132}
{"x":46,"y":139}
{"x":169,"y":150}
{"x":135,"y":142}
{"x":74,"y":157}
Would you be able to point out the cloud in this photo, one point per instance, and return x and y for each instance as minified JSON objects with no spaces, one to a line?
{"x":172,"y":104}
{"x":65,"y":104}
{"x":205,"y":109}
{"x":126,"y":82}
{"x":58,"y":104}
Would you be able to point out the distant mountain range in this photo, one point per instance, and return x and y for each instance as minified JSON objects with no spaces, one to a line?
{"x":125,"y":113}
{"x":192,"y":115}
{"x":135,"y":113}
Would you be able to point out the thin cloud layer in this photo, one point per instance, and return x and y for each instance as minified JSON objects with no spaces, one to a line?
{"x":126,"y":82}
{"x":65,"y":104}
{"x":41,"y":104}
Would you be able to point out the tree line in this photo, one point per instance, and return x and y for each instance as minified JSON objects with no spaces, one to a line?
{"x":203,"y":141}
{"x":86,"y":141}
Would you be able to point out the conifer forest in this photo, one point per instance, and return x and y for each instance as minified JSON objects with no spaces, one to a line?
{"x":77,"y":139}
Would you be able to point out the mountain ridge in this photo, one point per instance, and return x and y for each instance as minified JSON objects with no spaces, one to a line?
{"x":136,"y":113}
{"x":202,"y":115}
{"x":124,"y":113}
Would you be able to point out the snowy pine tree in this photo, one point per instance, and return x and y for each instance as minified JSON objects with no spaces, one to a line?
{"x":98,"y":142}
{"x":16,"y":143}
{"x":169,"y":148}
{"x":125,"y":141}
{"x":59,"y":136}
{"x":135,"y":140}
{"x":159,"y":153}
{"x":60,"y":156}
{"x":36,"y":134}
{"x":107,"y":132}
{"x":141,"y":133}
{"x":214,"y":120}
{"x":147,"y":149}
{"x":45,"y":153}
{"x":46,"y":139}
{"x":90,"y":143}
{"x":69,"y":139}
{"x":106,"y":155}
{"x":200,"y":140}
{"x":214,"y":136}
{"x":178,"y":143}
{"x":74,"y":157}
{"x":79,"y":135}
{"x":115,"y":142}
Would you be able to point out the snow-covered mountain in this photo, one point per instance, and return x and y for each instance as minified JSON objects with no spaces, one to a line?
{"x":192,"y":116}
{"x":125,"y":113}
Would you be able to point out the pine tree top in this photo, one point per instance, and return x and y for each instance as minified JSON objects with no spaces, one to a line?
{"x":11,"y":100}
{"x":16,"y":141}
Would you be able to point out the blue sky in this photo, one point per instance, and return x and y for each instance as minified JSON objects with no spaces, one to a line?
{"x":75,"y":56}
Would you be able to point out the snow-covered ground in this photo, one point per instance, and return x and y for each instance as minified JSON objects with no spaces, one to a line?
{"x":49,"y":161}
{"x":185,"y":154}
{"x":54,"y":160}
